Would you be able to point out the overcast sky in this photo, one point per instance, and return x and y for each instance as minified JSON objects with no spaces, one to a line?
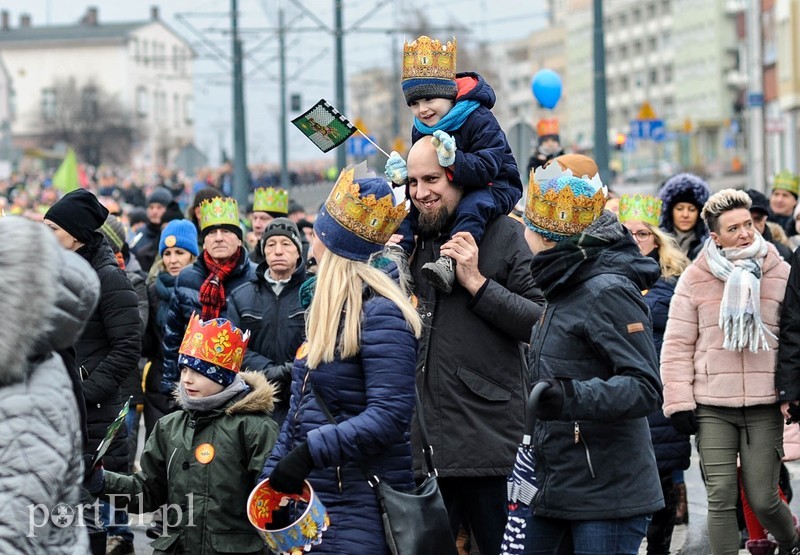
{"x":310,"y":53}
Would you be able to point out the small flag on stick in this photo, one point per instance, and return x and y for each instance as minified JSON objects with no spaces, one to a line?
{"x":324,"y":125}
{"x":66,"y":177}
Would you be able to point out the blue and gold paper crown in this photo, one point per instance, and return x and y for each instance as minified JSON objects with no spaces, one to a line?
{"x":217,"y":342}
{"x":270,"y":199}
{"x":641,"y":208}
{"x":372,"y":219}
{"x":219,"y":211}
{"x":561,"y":205}
{"x":787,"y":181}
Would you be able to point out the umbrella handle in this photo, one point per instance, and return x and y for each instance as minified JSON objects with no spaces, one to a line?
{"x":530,"y":412}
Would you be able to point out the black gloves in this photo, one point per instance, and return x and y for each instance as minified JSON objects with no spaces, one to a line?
{"x":291,"y":470}
{"x":685,"y":422}
{"x":95,"y":480}
{"x":551,"y":401}
{"x":794,"y":413}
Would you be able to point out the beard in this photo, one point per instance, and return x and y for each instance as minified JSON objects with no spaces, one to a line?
{"x":431,"y":223}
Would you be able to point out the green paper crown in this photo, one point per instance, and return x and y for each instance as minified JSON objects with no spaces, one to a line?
{"x":219,"y":211}
{"x":788,"y":181}
{"x":643,"y":208}
{"x":270,"y":199}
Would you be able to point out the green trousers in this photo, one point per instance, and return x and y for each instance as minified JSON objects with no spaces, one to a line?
{"x":755,"y":435}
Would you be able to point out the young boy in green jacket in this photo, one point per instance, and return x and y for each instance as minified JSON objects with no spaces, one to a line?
{"x":203,"y":460}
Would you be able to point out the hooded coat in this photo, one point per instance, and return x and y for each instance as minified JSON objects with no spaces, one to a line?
{"x":595,"y":461}
{"x":371,"y":396}
{"x":242,"y":435}
{"x":47,"y":298}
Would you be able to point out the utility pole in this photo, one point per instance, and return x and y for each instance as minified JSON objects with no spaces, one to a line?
{"x":755,"y":98}
{"x":240,"y":174}
{"x":600,"y":113}
{"x":341,"y":154}
{"x":282,"y":124}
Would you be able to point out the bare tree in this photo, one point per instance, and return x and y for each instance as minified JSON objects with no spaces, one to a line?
{"x":90,"y":120}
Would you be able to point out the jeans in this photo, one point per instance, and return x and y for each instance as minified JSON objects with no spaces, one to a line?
{"x":482,"y":503}
{"x":120,"y":525}
{"x":553,"y":536}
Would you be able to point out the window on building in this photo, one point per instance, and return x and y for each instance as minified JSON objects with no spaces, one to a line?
{"x":623,"y":51}
{"x":652,"y":44}
{"x":141,"y":101}
{"x":624,"y":83}
{"x":145,"y":52}
{"x":637,"y":48}
{"x":637,"y":15}
{"x":188,"y":109}
{"x":666,"y":38}
{"x":666,"y":7}
{"x":654,"y":77}
{"x":623,"y":20}
{"x":89,"y":103}
{"x":667,"y":74}
{"x":135,"y":50}
{"x":49,"y":104}
{"x":651,"y":11}
{"x":174,"y":58}
{"x":176,"y":109}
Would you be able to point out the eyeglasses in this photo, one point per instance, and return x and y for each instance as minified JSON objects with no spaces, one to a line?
{"x":641,"y":235}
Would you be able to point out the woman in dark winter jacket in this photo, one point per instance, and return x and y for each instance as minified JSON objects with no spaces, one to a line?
{"x":359,"y":361}
{"x":593,"y":347}
{"x":683,"y":196}
{"x":177,"y":249}
{"x":108,"y":350}
{"x":639,"y":214}
{"x":204,"y":286}
{"x":269,"y":308}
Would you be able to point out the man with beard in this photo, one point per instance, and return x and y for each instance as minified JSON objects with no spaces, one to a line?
{"x":471,"y":371}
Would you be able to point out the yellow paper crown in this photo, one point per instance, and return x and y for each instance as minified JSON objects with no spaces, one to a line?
{"x":270,"y":199}
{"x":642,"y":208}
{"x":787,"y":181}
{"x":216,"y":341}
{"x":218,"y":211}
{"x":372,"y":219}
{"x":427,"y":57}
{"x":558,"y":209}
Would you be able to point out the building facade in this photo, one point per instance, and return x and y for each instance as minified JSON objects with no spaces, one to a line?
{"x":144,"y":65}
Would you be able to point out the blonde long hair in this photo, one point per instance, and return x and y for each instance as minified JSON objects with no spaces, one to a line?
{"x":339,"y":290}
{"x":672,"y":260}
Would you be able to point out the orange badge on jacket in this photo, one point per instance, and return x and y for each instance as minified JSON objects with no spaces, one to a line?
{"x":204,"y":453}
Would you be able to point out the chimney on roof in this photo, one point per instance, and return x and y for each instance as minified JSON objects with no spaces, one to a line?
{"x":25,"y":20}
{"x":5,"y":18}
{"x":154,"y":13}
{"x":90,"y":18}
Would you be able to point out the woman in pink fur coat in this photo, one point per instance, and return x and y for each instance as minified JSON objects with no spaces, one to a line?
{"x":718,"y":369}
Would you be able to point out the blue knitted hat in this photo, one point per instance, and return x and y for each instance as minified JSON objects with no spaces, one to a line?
{"x":181,"y":234}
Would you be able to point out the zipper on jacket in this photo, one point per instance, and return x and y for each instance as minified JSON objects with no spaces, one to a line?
{"x":339,"y":478}
{"x":579,"y":439}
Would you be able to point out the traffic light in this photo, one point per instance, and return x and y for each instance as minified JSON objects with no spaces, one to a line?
{"x":619,"y":142}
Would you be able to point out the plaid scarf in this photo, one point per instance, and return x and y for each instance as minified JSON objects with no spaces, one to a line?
{"x":740,"y":311}
{"x":212,"y":292}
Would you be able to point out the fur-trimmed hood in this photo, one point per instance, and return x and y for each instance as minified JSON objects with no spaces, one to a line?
{"x":259,"y":399}
{"x":46,"y":292}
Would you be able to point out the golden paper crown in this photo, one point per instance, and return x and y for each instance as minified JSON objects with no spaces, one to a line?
{"x":374,"y":220}
{"x":219,"y":211}
{"x":547,"y":127}
{"x":642,"y":208}
{"x":554,"y":207}
{"x":270,"y":199}
{"x":427,"y":57}
{"x":787,"y":181}
{"x":216,"y":341}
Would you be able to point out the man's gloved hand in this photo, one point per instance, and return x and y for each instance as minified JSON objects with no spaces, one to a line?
{"x":794,"y":413}
{"x":396,"y":169}
{"x":290,"y":472}
{"x":685,"y":422}
{"x":445,"y":146}
{"x":551,"y":401}
{"x":94,"y":480}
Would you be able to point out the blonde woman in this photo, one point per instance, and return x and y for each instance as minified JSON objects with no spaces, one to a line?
{"x":718,"y":369}
{"x":360,"y":357}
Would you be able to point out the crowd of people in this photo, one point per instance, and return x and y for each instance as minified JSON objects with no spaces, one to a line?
{"x":265,"y":343}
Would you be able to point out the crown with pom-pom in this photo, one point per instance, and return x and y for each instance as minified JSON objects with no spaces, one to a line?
{"x":372,"y":219}
{"x":561,"y":204}
{"x":271,"y":199}
{"x":641,"y":208}
{"x":429,"y":58}
{"x":219,"y":211}
{"x":216,"y":341}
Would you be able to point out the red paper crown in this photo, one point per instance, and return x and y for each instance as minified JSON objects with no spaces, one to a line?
{"x":216,"y":341}
{"x":547,"y":127}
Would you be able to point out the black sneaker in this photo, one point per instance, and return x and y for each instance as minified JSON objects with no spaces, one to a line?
{"x":441,"y":273}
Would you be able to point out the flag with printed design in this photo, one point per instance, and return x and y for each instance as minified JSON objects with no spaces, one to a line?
{"x":324,"y":125}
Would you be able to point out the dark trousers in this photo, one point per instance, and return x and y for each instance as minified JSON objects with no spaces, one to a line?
{"x":482,"y":503}
{"x":659,"y":532}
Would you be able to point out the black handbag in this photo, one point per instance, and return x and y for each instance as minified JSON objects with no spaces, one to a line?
{"x":414,"y":522}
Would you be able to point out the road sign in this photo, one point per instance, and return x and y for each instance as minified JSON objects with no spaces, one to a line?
{"x":646,"y":111}
{"x":360,"y":147}
{"x":755,"y":99}
{"x":652,"y":129}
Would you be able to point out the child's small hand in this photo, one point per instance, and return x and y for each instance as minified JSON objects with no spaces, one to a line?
{"x":396,"y":169}
{"x":445,"y":146}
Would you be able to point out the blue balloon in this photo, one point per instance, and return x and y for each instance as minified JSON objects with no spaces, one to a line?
{"x":546,"y":85}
